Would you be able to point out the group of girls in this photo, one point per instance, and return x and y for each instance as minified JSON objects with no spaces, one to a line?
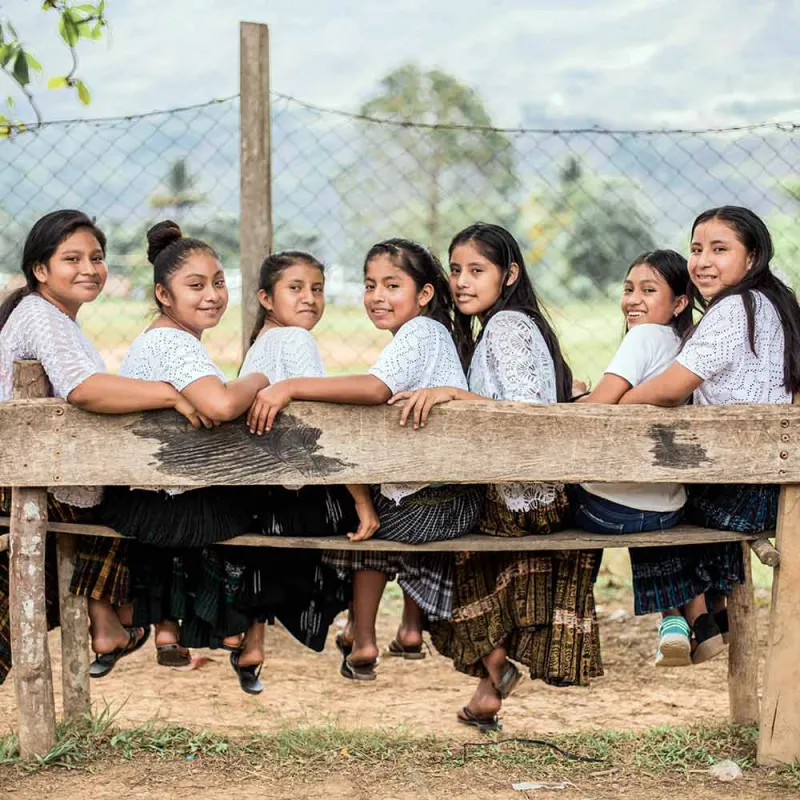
{"x":476,"y":332}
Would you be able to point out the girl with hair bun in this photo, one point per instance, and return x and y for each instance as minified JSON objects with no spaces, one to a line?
{"x":177,"y":577}
{"x":745,"y":349}
{"x":63,"y":262}
{"x":536,"y":609}
{"x":405,"y":292}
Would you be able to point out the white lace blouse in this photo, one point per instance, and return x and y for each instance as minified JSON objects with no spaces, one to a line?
{"x":512,"y":362}
{"x":281,"y":353}
{"x":37,"y":329}
{"x":420,"y":356}
{"x":719,"y":353}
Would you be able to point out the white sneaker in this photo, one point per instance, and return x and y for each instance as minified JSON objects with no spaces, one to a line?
{"x":674,"y":646}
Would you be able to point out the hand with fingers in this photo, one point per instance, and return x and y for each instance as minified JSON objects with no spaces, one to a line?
{"x":196,"y":419}
{"x":368,"y":521}
{"x":266,"y":406}
{"x":420,"y":403}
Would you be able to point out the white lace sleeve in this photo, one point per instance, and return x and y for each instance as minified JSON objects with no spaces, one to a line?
{"x":514,"y":358}
{"x":406,"y":357}
{"x":282,"y":353}
{"x":719,"y":340}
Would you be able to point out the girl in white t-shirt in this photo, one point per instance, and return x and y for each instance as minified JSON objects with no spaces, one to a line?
{"x":657,"y":313}
{"x":405,"y":292}
{"x":745,"y":349}
{"x":63,"y":262}
{"x":304,"y":594}
{"x":175,"y":576}
{"x":536,"y":609}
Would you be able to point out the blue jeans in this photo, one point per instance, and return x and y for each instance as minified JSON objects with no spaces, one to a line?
{"x":598,"y":515}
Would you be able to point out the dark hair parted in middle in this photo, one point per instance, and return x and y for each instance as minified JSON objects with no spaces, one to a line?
{"x":168,"y":250}
{"x":422,"y":267}
{"x":271,"y":269}
{"x":497,"y":245}
{"x":674,"y":269}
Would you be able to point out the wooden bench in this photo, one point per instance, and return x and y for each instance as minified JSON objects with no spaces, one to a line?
{"x":47,"y":442}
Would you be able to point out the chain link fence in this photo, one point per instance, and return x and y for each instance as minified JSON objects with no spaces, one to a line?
{"x":582,"y":202}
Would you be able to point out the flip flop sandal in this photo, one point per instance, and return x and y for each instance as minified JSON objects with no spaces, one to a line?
{"x":358,"y":672}
{"x":398,"y":650}
{"x":483,"y":724}
{"x":103,"y":664}
{"x":342,"y":646}
{"x":248,"y":676}
{"x":172,"y":655}
{"x":508,"y":681}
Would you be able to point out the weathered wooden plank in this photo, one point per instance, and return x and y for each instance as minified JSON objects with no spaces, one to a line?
{"x":743,"y":649}
{"x":766,"y":552}
{"x":779,"y":732}
{"x":564,"y":540}
{"x":49,"y":442}
{"x":74,"y":617}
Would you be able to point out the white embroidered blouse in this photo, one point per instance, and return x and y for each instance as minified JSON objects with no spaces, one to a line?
{"x":512,"y":362}
{"x":37,"y":329}
{"x":420,"y":356}
{"x":281,"y":353}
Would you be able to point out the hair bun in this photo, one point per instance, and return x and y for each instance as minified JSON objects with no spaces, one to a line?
{"x":161,"y":236}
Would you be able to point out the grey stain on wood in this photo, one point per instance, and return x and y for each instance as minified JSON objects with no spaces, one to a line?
{"x":291,"y":450}
{"x":672,"y":448}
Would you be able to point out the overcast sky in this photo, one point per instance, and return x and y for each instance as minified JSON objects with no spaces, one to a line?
{"x":642,"y":63}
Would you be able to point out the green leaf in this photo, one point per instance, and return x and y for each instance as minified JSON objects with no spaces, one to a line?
{"x":68,"y":29}
{"x":6,"y":53}
{"x":86,"y":9}
{"x":57,"y":83}
{"x":83,"y":92}
{"x":10,"y":103}
{"x":33,"y":64}
{"x":12,"y":29}
{"x":101,"y":7}
{"x":20,"y":72}
{"x":97,"y":31}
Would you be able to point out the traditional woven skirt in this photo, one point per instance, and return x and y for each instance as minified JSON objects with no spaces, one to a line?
{"x":293,"y":585}
{"x":668,"y":577}
{"x":435,"y":513}
{"x":539,"y":606}
{"x":59,"y":512}
{"x":102,"y":569}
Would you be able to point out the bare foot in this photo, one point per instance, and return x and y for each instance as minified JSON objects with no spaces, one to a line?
{"x":409,"y":638}
{"x":168,"y":633}
{"x":364,"y":654}
{"x":485,"y":703}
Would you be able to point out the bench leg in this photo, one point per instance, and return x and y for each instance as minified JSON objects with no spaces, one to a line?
{"x":31,"y":657}
{"x":74,"y":633}
{"x":779,"y":735}
{"x":743,"y":650}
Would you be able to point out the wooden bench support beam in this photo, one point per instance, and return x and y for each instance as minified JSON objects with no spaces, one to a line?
{"x":766,"y":553}
{"x":743,"y":649}
{"x":779,"y":734}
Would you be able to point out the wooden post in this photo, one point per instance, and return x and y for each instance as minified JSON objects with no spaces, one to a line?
{"x":779,"y":734}
{"x":743,"y":649}
{"x":255,"y":168}
{"x":33,"y":678}
{"x":74,"y":615}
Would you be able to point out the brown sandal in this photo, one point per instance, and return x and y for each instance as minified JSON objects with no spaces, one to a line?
{"x":397,"y":650}
{"x":358,"y":672}
{"x":172,"y":655}
{"x":508,"y":681}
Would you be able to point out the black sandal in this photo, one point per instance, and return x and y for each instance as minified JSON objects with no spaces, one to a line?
{"x":172,"y":655}
{"x":103,"y":664}
{"x":342,"y":646}
{"x":483,"y":724}
{"x":508,"y":681}
{"x":358,"y":672}
{"x":248,"y":676}
{"x":397,"y":649}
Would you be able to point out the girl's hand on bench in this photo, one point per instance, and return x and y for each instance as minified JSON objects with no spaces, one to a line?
{"x":268,"y":402}
{"x":421,"y":402}
{"x":197,"y":420}
{"x":368,"y":521}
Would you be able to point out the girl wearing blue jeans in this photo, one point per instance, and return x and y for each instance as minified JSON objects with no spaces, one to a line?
{"x":657,"y":313}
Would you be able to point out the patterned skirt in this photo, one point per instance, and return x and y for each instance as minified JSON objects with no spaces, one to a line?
{"x":59,"y":512}
{"x":102,"y":569}
{"x":539,"y":606}
{"x":668,"y":577}
{"x":435,"y":513}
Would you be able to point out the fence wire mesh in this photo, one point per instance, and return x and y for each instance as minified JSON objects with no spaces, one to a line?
{"x":583,"y":203}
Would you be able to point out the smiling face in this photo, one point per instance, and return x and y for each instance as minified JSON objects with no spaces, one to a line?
{"x":297,"y":298}
{"x":718,"y":258}
{"x":196,"y":295}
{"x":391,"y":297}
{"x":647,"y":298}
{"x":75,"y":273}
{"x":475,"y":282}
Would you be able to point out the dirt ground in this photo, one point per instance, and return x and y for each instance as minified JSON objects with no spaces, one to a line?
{"x":304,"y":688}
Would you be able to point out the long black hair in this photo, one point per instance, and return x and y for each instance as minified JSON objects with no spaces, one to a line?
{"x":672,"y":267}
{"x":168,"y":250}
{"x":271,"y":269}
{"x":40,"y":245}
{"x":422,"y":267}
{"x":497,"y":245}
{"x":751,"y":231}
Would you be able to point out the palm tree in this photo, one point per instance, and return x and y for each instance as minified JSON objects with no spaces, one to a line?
{"x":179,"y":195}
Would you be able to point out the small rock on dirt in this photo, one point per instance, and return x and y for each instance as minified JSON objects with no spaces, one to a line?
{"x":726,"y":771}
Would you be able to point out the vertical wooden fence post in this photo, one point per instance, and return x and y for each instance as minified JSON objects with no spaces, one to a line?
{"x":743,"y":651}
{"x":28,"y":614}
{"x":255,"y":167}
{"x":779,"y":731}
